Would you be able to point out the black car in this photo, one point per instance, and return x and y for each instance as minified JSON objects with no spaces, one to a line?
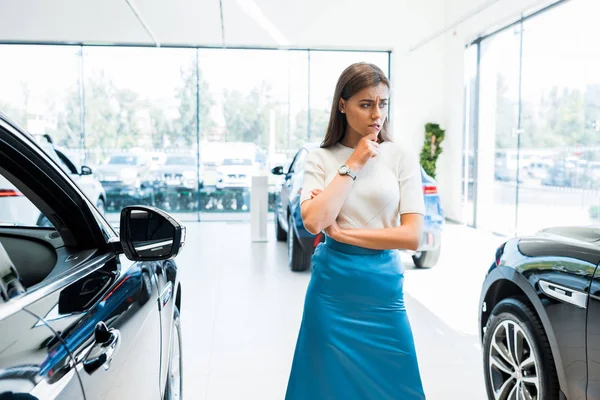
{"x":539,"y":316}
{"x":84,"y":313}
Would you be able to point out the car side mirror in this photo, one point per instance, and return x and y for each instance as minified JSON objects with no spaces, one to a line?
{"x":278,"y":170}
{"x":150,"y":234}
{"x":85,"y":170}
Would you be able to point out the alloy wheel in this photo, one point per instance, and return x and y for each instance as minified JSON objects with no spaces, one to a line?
{"x":513,"y":370}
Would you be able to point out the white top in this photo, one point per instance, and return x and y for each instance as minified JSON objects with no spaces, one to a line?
{"x":389,"y":185}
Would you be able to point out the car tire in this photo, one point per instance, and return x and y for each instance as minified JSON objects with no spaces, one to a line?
{"x":426,"y":259}
{"x":174,"y":386}
{"x":298,"y":258}
{"x":100,"y":205}
{"x":534,"y":367}
{"x":280,"y":233}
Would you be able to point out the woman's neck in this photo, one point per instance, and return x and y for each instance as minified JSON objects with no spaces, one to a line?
{"x":351,"y":138}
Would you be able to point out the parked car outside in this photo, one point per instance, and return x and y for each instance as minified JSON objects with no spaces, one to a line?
{"x":177,"y":182}
{"x":84,"y":312}
{"x":127,"y":179}
{"x":539,"y":316}
{"x":235,"y":173}
{"x":301,"y":243}
{"x":14,"y":206}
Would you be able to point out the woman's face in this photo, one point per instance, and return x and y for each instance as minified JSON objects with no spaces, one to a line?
{"x":367,"y":110}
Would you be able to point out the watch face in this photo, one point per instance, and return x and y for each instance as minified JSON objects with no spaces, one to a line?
{"x":343,"y":170}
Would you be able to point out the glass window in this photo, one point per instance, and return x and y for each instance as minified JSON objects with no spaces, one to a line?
{"x":254,"y":116}
{"x":560,"y":143}
{"x":169,"y":127}
{"x":498,"y":123}
{"x":140,"y":107}
{"x":41,"y":92}
{"x":16,"y":209}
{"x":538,"y":136}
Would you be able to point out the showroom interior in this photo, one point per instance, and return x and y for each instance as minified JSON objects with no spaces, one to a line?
{"x":200,"y":108}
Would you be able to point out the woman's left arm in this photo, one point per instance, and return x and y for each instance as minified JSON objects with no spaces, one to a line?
{"x":406,"y":237}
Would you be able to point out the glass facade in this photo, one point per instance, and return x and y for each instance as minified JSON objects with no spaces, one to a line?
{"x":537,"y":122}
{"x":168,"y":127}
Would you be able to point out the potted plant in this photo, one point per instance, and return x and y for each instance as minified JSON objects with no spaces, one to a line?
{"x":434,"y":135}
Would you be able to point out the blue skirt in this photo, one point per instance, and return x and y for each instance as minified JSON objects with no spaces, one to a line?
{"x":355,"y":340}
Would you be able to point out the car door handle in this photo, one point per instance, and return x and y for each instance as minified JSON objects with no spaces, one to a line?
{"x":106,"y":343}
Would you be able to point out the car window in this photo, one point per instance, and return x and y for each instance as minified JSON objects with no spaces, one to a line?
{"x":123,"y":160}
{"x":16,"y":209}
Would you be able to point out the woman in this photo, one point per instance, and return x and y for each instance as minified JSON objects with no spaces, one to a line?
{"x":365,"y":192}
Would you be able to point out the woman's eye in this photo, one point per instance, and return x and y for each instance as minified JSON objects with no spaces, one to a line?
{"x":382,"y":105}
{"x":365,"y":105}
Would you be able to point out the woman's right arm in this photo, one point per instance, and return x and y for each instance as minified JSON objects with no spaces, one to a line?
{"x":321,"y":211}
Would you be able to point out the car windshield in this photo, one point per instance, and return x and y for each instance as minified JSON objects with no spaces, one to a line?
{"x":181,"y":160}
{"x":237,"y":161}
{"x":123,"y":160}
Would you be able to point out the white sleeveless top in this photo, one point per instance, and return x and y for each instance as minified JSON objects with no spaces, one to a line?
{"x":388,"y":186}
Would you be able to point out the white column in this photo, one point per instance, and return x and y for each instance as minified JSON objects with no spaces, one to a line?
{"x":259,"y":208}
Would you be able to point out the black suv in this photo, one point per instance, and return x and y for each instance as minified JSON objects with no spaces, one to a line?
{"x":84,"y":312}
{"x":539,"y":317}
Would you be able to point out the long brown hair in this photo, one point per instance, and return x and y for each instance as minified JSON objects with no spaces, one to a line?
{"x":354,"y":79}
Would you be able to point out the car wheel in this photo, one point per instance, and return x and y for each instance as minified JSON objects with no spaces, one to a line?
{"x":280,"y":234}
{"x":518,"y":362}
{"x":100,"y":206}
{"x":174,"y":388}
{"x":426,"y":259}
{"x":298,"y":259}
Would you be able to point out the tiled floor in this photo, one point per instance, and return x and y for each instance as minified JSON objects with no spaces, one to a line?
{"x":242,"y":306}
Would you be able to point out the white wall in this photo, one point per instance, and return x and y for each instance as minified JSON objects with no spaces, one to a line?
{"x":429,"y":82}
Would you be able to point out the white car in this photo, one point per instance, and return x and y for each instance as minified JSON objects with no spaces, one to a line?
{"x":235,"y":173}
{"x":16,"y":208}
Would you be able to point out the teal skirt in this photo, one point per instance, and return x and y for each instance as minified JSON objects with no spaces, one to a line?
{"x":355,"y":340}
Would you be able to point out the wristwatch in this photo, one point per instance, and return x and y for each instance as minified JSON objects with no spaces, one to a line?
{"x":345,"y":170}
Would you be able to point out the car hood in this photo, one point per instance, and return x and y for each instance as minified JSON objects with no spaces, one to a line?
{"x":578,"y":242}
{"x":583,"y":234}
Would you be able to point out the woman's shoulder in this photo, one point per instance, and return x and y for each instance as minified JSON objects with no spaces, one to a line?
{"x":395,"y":148}
{"x":324,"y":152}
{"x":399,"y":155}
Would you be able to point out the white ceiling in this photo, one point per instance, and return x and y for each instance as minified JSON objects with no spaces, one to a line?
{"x":349,"y":24}
{"x":339,"y":24}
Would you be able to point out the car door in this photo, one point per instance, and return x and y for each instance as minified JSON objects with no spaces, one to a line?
{"x":593,"y":338}
{"x":287,"y":187}
{"x":109,"y":320}
{"x":34,"y":364}
{"x":102,"y":307}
